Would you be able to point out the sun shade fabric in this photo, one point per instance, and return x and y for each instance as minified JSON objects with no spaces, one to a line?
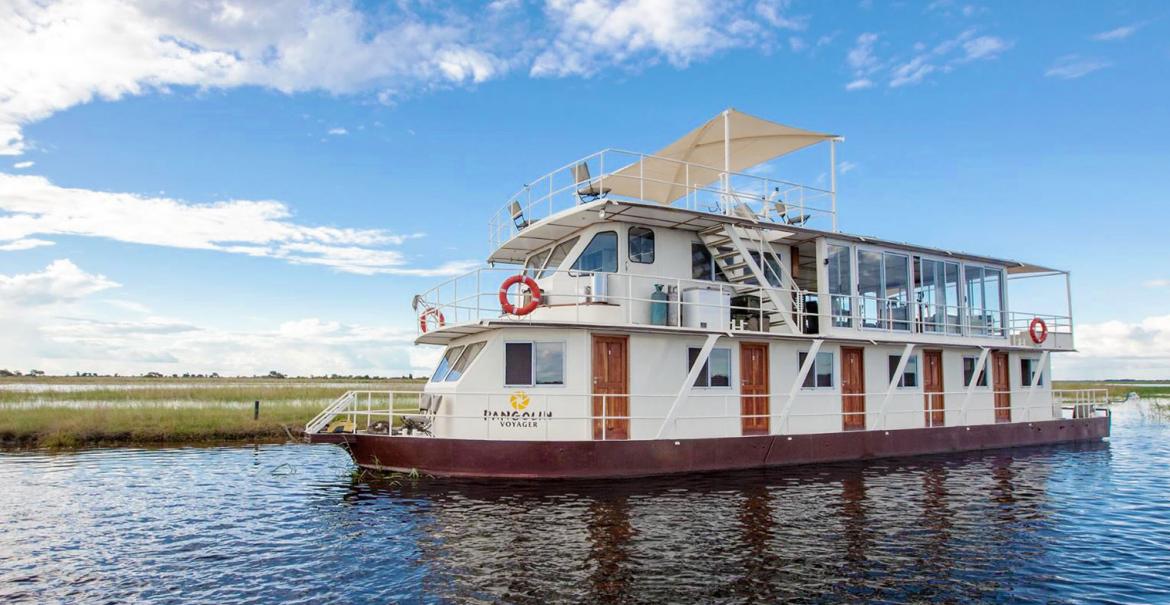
{"x":665,"y":178}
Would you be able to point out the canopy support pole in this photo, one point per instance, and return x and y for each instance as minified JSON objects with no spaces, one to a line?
{"x":726,"y":161}
{"x":833,"y":179}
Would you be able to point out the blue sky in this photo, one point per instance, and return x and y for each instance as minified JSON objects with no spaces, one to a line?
{"x":238,"y":186}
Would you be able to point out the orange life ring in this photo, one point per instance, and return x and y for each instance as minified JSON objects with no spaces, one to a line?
{"x":1038,"y":330}
{"x":430,"y":312}
{"x":507,"y":306}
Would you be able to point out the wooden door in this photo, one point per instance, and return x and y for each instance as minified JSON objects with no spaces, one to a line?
{"x":1002,"y":385}
{"x":611,"y":387}
{"x":852,"y":389}
{"x":932,"y":386}
{"x":753,"y":371}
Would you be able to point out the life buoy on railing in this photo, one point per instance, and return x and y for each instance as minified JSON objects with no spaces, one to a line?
{"x":1038,"y":330}
{"x":428,"y":313}
{"x":507,"y":306}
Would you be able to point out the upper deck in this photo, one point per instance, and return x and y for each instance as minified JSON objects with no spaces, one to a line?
{"x":664,"y":242}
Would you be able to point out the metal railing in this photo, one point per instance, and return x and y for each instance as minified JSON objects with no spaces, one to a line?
{"x":474,"y":296}
{"x":629,"y":175}
{"x":550,"y":413}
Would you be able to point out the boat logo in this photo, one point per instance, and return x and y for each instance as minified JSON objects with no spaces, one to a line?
{"x":519,"y":400}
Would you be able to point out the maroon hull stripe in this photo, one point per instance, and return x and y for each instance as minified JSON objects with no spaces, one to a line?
{"x":580,"y":459}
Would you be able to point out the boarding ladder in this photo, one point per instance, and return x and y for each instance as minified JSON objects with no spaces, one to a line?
{"x":732,"y":247}
{"x":320,"y":421}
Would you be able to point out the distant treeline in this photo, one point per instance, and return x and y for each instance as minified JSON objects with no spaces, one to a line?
{"x":5,"y":373}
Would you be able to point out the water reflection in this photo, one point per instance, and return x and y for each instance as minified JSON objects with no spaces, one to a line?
{"x":1055,"y":524}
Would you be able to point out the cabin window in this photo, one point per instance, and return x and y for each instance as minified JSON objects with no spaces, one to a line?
{"x":936,"y":292}
{"x":841,"y":285}
{"x":969,"y":364}
{"x":820,"y":375}
{"x":445,"y":363}
{"x":534,"y":363}
{"x":909,"y":378}
{"x":703,"y":266}
{"x":984,"y":300}
{"x":460,"y":366}
{"x":534,"y":263}
{"x":1029,"y":368}
{"x":716,"y":372}
{"x":559,"y":252}
{"x":641,"y":245}
{"x":770,"y":267}
{"x":600,"y":256}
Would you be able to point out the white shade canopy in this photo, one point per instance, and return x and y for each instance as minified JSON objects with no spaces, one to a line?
{"x":729,"y":142}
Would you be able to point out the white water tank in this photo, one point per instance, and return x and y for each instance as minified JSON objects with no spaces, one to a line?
{"x":706,"y":308}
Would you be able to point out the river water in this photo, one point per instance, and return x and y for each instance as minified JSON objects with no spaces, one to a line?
{"x":293,"y":524}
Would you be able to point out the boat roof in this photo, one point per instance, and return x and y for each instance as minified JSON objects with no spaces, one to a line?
{"x":567,"y":222}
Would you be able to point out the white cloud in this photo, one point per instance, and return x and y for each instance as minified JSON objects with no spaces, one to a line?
{"x":1119,"y":33}
{"x":61,"y":281}
{"x":1070,"y":67}
{"x":1117,"y":349}
{"x":590,"y":35}
{"x":845,"y":167}
{"x":946,"y":56}
{"x":24,"y":244}
{"x":35,"y":206}
{"x":23,"y":165}
{"x":338,"y":132}
{"x":1157,"y":283}
{"x":132,"y":47}
{"x":859,"y":84}
{"x":984,"y":47}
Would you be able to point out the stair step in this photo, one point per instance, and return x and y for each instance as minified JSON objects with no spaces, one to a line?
{"x":732,"y":267}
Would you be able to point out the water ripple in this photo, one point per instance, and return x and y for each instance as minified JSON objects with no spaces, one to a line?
{"x":292,"y":524}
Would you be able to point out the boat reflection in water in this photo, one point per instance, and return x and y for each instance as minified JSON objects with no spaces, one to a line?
{"x":958,"y":528}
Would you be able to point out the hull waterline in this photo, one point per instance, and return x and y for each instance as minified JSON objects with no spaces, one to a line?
{"x":601,"y":459}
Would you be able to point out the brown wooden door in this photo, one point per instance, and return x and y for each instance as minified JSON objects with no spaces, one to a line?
{"x":753,"y":371}
{"x":932,"y":386}
{"x":852,"y":389}
{"x":1002,"y":385}
{"x":611,"y":387}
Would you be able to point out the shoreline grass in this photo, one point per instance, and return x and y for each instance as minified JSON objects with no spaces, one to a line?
{"x":179,"y":414}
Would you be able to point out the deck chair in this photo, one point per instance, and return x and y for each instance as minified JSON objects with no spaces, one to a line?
{"x":590,"y":191}
{"x":428,"y":407}
{"x":791,"y":219}
{"x":518,"y":216}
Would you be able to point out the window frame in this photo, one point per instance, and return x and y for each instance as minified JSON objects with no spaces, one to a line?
{"x":1025,"y":377}
{"x":885,"y":320}
{"x":435,"y":378}
{"x":703,"y":380}
{"x":896,"y":359}
{"x":802,"y":355}
{"x":616,"y":253}
{"x":532,"y":344}
{"x":466,"y":348}
{"x":630,"y":244}
{"x":983,"y":374}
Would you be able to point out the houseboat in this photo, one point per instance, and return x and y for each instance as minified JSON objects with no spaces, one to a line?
{"x":644,"y":314}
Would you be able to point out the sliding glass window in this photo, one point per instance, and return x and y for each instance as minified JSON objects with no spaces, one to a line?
{"x":984,"y":289}
{"x":936,"y":293}
{"x":841,"y":285}
{"x":883,"y":286}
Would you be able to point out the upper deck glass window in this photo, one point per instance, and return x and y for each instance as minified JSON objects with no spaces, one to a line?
{"x":600,"y":256}
{"x":841,"y":285}
{"x":445,"y":363}
{"x":883,"y":285}
{"x":936,"y":292}
{"x":984,"y":299}
{"x":559,"y":252}
{"x":460,"y":366}
{"x":641,"y":245}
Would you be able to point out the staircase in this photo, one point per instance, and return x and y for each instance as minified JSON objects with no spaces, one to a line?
{"x":732,"y":247}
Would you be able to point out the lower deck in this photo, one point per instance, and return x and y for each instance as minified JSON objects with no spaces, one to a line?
{"x":527,"y":384}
